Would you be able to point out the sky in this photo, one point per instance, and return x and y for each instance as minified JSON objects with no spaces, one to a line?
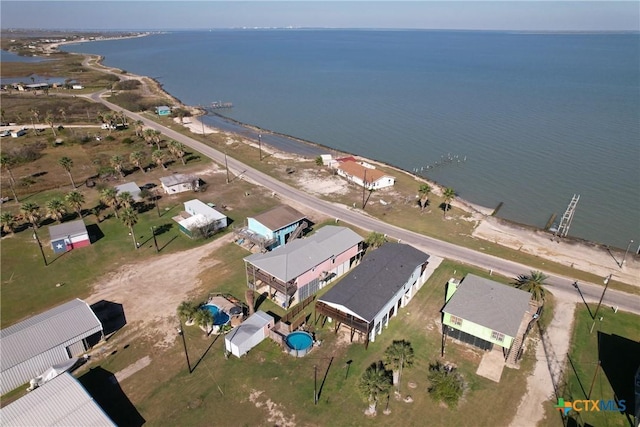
{"x":537,"y":15}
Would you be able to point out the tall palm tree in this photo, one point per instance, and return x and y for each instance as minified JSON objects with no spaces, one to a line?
{"x":187,"y":310}
{"x":423,"y":192}
{"x":375,"y":382}
{"x":31,"y":212}
{"x":157,"y":138}
{"x":67,"y":164}
{"x":109,"y":196}
{"x":148,"y":135}
{"x":50,"y":120}
{"x":56,"y":209}
{"x":136,"y":158}
{"x":139,"y":128}
{"x":534,"y":284}
{"x":130,"y":218}
{"x":158,"y":156}
{"x":125,"y":199}
{"x":7,"y":162}
{"x":117,"y":162}
{"x":75,"y":200}
{"x":448,"y":194}
{"x":8,"y":222}
{"x":178,"y":150}
{"x":398,"y":355}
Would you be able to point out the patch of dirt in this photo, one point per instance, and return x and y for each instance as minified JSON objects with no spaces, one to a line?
{"x":151,"y":291}
{"x":321,"y":182}
{"x":276,"y":414}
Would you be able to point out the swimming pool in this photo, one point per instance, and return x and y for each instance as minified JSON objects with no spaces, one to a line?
{"x":219,"y":316}
{"x":299,"y":343}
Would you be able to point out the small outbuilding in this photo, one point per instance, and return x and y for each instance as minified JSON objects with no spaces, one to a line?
{"x":61,"y":402}
{"x":248,"y":334}
{"x":131,"y":188}
{"x":178,"y":183}
{"x":30,"y":347}
{"x":69,"y":235}
{"x":200,"y":219}
{"x":163,"y":110}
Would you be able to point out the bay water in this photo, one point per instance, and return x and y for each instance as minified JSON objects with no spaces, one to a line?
{"x":520,"y":118}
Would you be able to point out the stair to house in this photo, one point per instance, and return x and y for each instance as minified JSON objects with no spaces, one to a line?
{"x":512,"y":357}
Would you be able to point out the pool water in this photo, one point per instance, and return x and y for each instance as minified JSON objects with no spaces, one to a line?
{"x":299,"y":340}
{"x":219,"y":316}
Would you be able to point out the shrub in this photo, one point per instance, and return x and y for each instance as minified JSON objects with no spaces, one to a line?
{"x":446,"y":384}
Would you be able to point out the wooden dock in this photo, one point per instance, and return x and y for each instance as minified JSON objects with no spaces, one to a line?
{"x":219,"y":104}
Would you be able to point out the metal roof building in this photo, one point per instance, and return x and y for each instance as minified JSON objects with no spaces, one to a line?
{"x":30,"y":347}
{"x":60,"y":402}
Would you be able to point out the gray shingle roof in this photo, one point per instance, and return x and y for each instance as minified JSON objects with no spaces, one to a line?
{"x":60,"y":402}
{"x":279,"y":217}
{"x":67,"y":229}
{"x":372,"y":284}
{"x":37,"y":334}
{"x":489,"y":304}
{"x":291,"y":260}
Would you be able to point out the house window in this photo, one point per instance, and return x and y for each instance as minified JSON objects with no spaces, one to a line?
{"x":456,"y":321}
{"x":497,"y":336}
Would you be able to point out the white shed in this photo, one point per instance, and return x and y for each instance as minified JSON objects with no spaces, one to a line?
{"x":248,"y":334}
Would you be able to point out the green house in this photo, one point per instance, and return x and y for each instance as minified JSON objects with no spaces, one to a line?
{"x":482,"y":312}
{"x":163,"y":110}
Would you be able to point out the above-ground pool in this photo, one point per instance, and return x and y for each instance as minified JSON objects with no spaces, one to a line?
{"x":299,"y":343}
{"x":219,"y":316}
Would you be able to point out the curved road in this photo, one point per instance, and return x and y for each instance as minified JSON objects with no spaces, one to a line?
{"x":559,"y":285}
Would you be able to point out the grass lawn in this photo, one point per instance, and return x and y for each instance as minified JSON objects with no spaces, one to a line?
{"x":269,"y":387}
{"x":615,"y":342}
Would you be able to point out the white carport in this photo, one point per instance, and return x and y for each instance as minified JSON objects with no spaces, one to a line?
{"x":248,"y":334}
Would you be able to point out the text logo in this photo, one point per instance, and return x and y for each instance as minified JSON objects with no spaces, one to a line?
{"x":590,"y":405}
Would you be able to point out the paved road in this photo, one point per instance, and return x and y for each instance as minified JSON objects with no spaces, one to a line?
{"x":556,"y":284}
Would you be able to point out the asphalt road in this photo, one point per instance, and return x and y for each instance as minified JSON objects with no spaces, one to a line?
{"x":561,"y":286}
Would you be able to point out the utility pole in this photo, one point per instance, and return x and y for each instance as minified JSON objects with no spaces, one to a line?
{"x":184,"y":343}
{"x":226,"y":165}
{"x":595,"y":315}
{"x":315,"y":384}
{"x":364,"y":187}
{"x":260,"y":145}
{"x":625,"y":253}
{"x":44,"y":258}
{"x":155,"y":242}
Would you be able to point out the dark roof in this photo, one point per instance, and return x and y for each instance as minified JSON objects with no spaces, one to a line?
{"x":67,"y":229}
{"x":382,"y":272}
{"x":489,"y":304}
{"x":279,"y":217}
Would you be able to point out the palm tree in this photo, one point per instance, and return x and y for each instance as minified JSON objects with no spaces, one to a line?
{"x":156,"y":137}
{"x":125,"y":199}
{"x":139,"y":128}
{"x":148,"y":135}
{"x":158,"y":156}
{"x":204,"y":318}
{"x":7,"y":162}
{"x":251,"y":300}
{"x":398,"y":355}
{"x":448,"y":194}
{"x":130,"y":218}
{"x":75,"y":200}
{"x":56,"y":209}
{"x":50,"y":121}
{"x":187,"y":310}
{"x":67,"y":164}
{"x":375,"y":382}
{"x":31,"y":212}
{"x":117,"y":162}
{"x":109,"y":196}
{"x":375,"y":240}
{"x":424,"y":191}
{"x":136,"y":158}
{"x":178,"y":150}
{"x":8,"y":222}
{"x":534,"y":284}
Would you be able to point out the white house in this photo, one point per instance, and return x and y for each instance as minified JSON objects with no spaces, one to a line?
{"x":248,"y":334}
{"x":364,"y":175}
{"x":178,"y":183}
{"x":197,"y":215}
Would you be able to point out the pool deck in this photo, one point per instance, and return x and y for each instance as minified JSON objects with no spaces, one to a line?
{"x":226,"y":306}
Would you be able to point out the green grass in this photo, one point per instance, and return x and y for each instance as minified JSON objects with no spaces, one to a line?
{"x":219,"y":389}
{"x":615,"y":341}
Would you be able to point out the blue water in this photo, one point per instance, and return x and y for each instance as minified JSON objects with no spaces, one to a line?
{"x":219,"y":316}
{"x":299,"y":340}
{"x":524,"y":119}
